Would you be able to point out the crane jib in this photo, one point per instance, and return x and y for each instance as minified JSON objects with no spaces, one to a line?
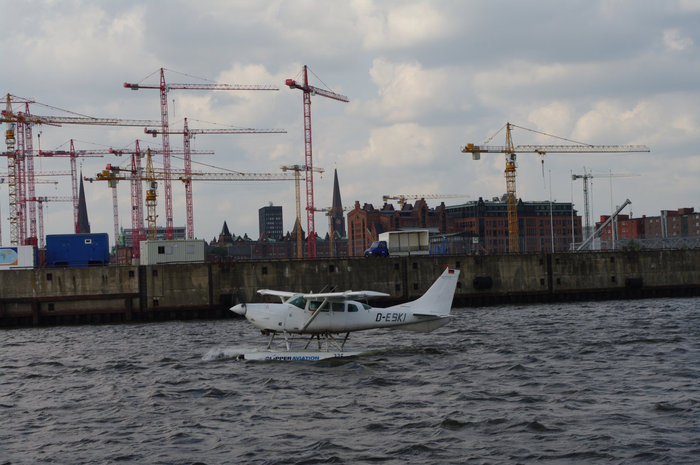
{"x":542,"y":149}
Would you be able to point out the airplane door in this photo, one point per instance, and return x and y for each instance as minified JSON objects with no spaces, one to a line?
{"x":338,"y":316}
{"x":295,"y":319}
{"x":355,"y":316}
{"x":295,"y":316}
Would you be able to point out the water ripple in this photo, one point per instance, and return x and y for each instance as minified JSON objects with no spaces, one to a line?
{"x":562,"y":383}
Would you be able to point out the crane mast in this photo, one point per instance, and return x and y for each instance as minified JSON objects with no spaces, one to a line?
{"x":151,"y":197}
{"x":137,"y":232}
{"x":511,"y":199}
{"x":308,"y":158}
{"x":297,"y":169}
{"x":510,"y":153}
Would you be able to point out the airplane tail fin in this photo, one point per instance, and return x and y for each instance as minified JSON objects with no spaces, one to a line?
{"x":437,"y":301}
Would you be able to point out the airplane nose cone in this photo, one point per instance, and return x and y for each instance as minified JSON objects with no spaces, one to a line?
{"x":240,"y":309}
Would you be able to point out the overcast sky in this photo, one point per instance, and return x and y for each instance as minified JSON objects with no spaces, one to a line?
{"x":423,"y":78}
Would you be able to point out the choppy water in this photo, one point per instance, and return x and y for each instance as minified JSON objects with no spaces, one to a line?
{"x":603,"y":382}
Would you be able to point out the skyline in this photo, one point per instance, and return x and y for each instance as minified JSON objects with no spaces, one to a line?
{"x":423,"y":79}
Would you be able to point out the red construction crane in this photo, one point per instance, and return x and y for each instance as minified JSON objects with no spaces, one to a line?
{"x":188,"y":134}
{"x":112,"y":174}
{"x":164,"y":88}
{"x":20,"y":161}
{"x":73,"y":154}
{"x":308,"y":91}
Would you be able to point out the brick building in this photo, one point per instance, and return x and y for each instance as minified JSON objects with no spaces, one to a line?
{"x":473,"y":227}
{"x":541,"y":225}
{"x":366,"y":223}
{"x":672,"y":228}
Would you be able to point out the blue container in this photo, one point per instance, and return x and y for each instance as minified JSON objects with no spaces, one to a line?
{"x":77,"y":249}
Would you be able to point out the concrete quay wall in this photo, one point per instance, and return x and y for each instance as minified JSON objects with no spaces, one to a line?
{"x":46,"y":296}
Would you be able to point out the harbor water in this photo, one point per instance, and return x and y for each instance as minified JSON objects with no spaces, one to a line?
{"x":584,"y":383}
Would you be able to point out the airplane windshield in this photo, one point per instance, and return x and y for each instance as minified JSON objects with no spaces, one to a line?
{"x":298,"y":302}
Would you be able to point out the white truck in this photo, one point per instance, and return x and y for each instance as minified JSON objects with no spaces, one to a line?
{"x":401,"y":243}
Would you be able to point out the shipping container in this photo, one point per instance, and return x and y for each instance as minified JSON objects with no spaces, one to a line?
{"x":77,"y":249}
{"x":174,"y":251}
{"x":21,"y":256}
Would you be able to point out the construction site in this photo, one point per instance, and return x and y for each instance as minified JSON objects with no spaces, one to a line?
{"x":508,"y":249}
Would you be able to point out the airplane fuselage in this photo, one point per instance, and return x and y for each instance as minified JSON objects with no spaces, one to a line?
{"x":337,"y":317}
{"x":334,"y":312}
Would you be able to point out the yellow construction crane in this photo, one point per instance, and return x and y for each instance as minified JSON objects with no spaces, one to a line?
{"x":298,"y":169}
{"x":114,"y":174}
{"x":331,"y":230}
{"x":510,"y":151}
{"x":403,"y":197}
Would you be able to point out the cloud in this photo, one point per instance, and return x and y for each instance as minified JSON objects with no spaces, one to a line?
{"x":407,"y":91}
{"x":397,"y":146}
{"x":556,"y":117}
{"x":423,"y":77}
{"x":691,"y":6}
{"x":56,"y":42}
{"x":664,"y":121}
{"x":675,"y":42}
{"x":406,"y":24}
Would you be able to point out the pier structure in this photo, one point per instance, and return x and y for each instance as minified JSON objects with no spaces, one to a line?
{"x":102,"y":294}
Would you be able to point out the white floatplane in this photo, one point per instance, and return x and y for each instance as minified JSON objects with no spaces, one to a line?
{"x":320,"y":316}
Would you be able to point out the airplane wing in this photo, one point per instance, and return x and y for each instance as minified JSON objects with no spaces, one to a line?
{"x":346,"y":295}
{"x":277,"y":293}
{"x":326,"y":295}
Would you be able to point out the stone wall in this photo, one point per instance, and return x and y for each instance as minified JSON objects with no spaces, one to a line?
{"x":207,"y":290}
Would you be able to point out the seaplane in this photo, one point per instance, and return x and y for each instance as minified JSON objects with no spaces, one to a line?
{"x":325,"y":317}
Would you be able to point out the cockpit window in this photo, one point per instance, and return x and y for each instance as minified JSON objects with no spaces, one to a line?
{"x":298,"y":302}
{"x":352,"y":308}
{"x":314,"y":304}
{"x":367,"y":307}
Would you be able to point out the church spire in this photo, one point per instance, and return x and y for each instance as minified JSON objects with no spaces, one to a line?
{"x":83,"y":222}
{"x":337,"y":208}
